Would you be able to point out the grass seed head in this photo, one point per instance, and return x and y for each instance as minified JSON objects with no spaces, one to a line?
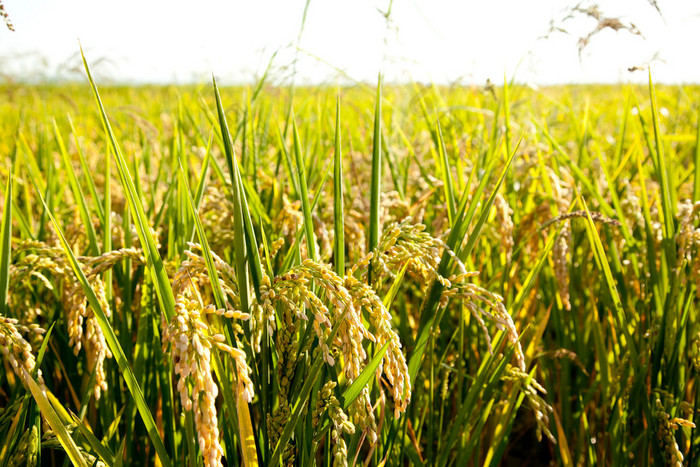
{"x":16,"y":350}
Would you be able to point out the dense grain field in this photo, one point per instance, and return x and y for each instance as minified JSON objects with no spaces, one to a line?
{"x":404,"y":275}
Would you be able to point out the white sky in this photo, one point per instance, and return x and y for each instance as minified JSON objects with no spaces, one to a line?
{"x":427,"y":40}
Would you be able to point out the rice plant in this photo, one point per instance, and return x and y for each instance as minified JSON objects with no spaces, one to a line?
{"x":397,"y":275}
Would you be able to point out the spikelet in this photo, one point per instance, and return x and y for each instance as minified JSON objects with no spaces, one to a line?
{"x":275,"y":426}
{"x":188,"y":336}
{"x":267,"y":295}
{"x":561,"y":271}
{"x":42,"y":263}
{"x":290,"y":218}
{"x":631,"y":207}
{"x":287,"y":349}
{"x":363,"y":415}
{"x":96,"y":347}
{"x":99,"y":264}
{"x":504,"y":224}
{"x":216,"y":215}
{"x":480,"y":302}
{"x":686,"y":229}
{"x":16,"y":350}
{"x":325,"y":238}
{"x":582,"y":214}
{"x":673,"y":457}
{"x":688,"y":241}
{"x":192,"y":275}
{"x":348,"y":297}
{"x":533,"y":400}
{"x":35,"y":271}
{"x":560,"y":250}
{"x":405,"y":243}
{"x":657,"y":230}
{"x":75,"y":231}
{"x":355,"y":239}
{"x":92,"y":338}
{"x":394,"y":363}
{"x":328,"y":403}
{"x":26,"y":449}
{"x":84,"y":330}
{"x":393,"y":208}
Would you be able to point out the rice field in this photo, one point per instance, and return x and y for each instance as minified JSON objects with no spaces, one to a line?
{"x":372,"y":275}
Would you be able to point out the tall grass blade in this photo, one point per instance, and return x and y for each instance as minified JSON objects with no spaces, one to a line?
{"x":300,"y":174}
{"x":5,"y":248}
{"x":87,"y":173}
{"x":662,"y":171}
{"x":55,"y":423}
{"x":255,"y":265}
{"x":394,"y":289}
{"x":155,"y":263}
{"x":446,"y":173}
{"x":375,"y":184}
{"x":202,"y":183}
{"x":77,"y":193}
{"x":338,"y":214}
{"x":100,"y":449}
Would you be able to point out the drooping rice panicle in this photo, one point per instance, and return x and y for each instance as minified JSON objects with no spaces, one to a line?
{"x":190,"y":340}
{"x":15,"y":349}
